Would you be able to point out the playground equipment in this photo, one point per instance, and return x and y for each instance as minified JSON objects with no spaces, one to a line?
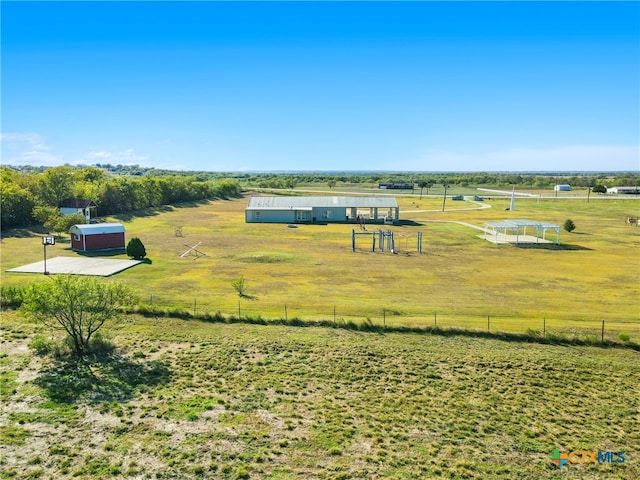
{"x":193,"y":250}
{"x":383,"y":238}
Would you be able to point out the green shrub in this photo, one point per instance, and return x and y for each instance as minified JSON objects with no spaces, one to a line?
{"x":42,"y":345}
{"x":624,"y":337}
{"x":136,"y":249}
{"x":569,"y":226}
{"x":100,"y":345}
{"x":11,"y":296}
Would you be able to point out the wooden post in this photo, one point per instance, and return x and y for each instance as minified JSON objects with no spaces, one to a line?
{"x":435,"y":319}
{"x":384,"y":317}
{"x":238,"y":309}
{"x":334,"y":316}
{"x":544,"y":326}
{"x":195,"y":306}
{"x":488,"y":319}
{"x":353,"y":240}
{"x":285,"y":311}
{"x":602,"y":331}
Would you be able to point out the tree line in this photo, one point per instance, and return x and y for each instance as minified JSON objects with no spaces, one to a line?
{"x":34,"y":196}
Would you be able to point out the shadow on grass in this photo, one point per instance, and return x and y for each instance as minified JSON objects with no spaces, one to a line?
{"x":409,"y":223}
{"x":146,"y":212}
{"x":549,"y":246}
{"x":105,"y":379}
{"x":25,"y":232}
{"x":112,"y":252}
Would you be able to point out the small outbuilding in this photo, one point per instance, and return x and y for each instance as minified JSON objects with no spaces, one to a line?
{"x":562,"y":188}
{"x":71,"y":206}
{"x":97,"y":236}
{"x":624,"y":190}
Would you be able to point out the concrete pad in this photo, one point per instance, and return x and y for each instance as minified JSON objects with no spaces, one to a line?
{"x":101,"y":267}
{"x":502,"y":238}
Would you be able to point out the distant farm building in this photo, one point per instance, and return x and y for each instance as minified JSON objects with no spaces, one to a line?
{"x":624,"y":190}
{"x":562,"y":188}
{"x":97,"y":236}
{"x":71,"y":206}
{"x":395,"y":186}
{"x":282,"y":209}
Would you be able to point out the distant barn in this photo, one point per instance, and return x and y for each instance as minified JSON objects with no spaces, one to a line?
{"x":97,"y":236}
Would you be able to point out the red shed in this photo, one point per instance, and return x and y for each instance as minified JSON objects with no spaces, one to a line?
{"x":97,"y":236}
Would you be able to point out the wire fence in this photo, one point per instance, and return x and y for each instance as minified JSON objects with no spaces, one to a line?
{"x":591,"y":331}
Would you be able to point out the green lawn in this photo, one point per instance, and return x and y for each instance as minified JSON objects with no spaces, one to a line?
{"x":310,"y":271}
{"x":196,"y":400}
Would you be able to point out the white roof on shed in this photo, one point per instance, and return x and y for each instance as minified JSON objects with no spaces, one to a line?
{"x":307,"y":203}
{"x":97,"y":228}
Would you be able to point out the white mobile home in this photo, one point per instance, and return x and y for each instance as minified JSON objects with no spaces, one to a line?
{"x":624,"y":190}
{"x":562,"y":188}
{"x":286,"y":209}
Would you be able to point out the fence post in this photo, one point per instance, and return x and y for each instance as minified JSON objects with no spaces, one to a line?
{"x":544,"y":327}
{"x":238,"y":309}
{"x":334,"y":316}
{"x":602,"y":341}
{"x":488,"y":319}
{"x":384,"y":317}
{"x":285,"y":312}
{"x":435,"y":319}
{"x":195,"y":306}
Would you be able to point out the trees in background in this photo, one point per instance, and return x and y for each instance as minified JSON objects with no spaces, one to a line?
{"x":29,"y":196}
{"x":121,"y":188}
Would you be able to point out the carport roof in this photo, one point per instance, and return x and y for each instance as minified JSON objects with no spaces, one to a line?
{"x":279,"y":202}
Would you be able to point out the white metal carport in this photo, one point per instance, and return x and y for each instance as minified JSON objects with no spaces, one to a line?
{"x":515,"y":231}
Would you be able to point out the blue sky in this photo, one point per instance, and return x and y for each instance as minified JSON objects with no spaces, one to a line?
{"x":233,"y":86}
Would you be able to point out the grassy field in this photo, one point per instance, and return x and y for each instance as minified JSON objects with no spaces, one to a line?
{"x":189,"y":400}
{"x":310,"y":271}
